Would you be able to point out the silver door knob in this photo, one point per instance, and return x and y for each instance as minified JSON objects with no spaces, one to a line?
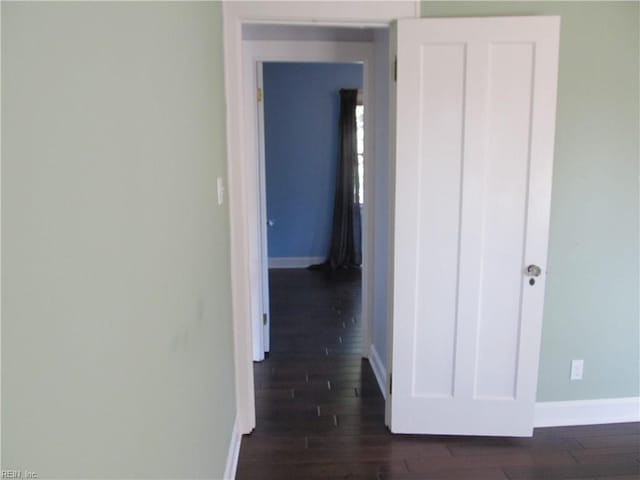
{"x":534,"y":271}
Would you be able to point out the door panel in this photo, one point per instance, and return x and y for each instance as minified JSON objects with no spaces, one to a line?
{"x":503,"y":236}
{"x":438,"y":229}
{"x":474,"y":149}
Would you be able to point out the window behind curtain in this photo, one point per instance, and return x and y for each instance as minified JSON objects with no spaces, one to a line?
{"x":360,"y":149}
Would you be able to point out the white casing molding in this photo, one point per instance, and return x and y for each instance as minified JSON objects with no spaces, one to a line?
{"x":587,"y":412}
{"x":233,"y":453}
{"x":294,"y":262}
{"x":378,"y":369}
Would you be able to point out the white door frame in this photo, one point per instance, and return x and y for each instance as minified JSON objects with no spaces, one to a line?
{"x":242,"y":172}
{"x":327,"y":52}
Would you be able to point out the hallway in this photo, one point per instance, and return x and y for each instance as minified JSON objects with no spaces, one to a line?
{"x":320,"y":414}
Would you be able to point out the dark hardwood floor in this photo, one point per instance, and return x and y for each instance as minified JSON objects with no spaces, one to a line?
{"x":320,"y":414}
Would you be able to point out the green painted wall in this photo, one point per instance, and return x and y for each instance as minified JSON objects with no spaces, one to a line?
{"x":592,"y":295}
{"x":117,"y":357}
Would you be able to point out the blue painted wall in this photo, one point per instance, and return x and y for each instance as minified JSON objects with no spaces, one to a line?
{"x":301,"y":110}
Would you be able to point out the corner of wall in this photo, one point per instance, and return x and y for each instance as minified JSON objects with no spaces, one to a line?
{"x":378,"y":369}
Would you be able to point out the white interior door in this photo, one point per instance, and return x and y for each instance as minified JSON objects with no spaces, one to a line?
{"x":262,"y":171}
{"x":474,"y":138}
{"x":253,"y":105}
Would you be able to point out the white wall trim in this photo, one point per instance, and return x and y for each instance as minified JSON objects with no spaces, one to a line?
{"x":294,"y":262}
{"x":241,"y":210}
{"x":233,"y":453}
{"x":336,"y":13}
{"x":378,"y":369}
{"x":587,"y":412}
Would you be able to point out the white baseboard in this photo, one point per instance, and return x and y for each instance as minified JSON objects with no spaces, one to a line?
{"x":234,"y":452}
{"x":378,"y":370}
{"x":587,"y":412}
{"x":294,"y":262}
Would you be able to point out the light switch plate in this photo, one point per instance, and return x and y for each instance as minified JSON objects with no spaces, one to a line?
{"x":577,"y":369}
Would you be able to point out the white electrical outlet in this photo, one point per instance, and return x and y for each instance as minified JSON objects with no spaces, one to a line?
{"x":577,"y":369}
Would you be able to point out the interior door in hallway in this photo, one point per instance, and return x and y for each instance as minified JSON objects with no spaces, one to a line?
{"x":475,"y":115}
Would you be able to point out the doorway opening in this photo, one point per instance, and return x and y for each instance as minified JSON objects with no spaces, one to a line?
{"x":314,"y":308}
{"x":313,"y":378}
{"x":316,"y":326}
{"x":311,"y":124}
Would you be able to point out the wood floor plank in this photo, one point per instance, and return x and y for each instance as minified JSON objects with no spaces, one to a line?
{"x":578,"y":431}
{"x":600,"y":441}
{"x":620,"y":477}
{"x":561,"y":472}
{"x":450,"y":474}
{"x":477,"y":450}
{"x":485,"y":461}
{"x":587,"y":452}
{"x":622,"y":458}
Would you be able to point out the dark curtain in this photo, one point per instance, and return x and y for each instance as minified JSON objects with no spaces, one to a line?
{"x":346,"y":239}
